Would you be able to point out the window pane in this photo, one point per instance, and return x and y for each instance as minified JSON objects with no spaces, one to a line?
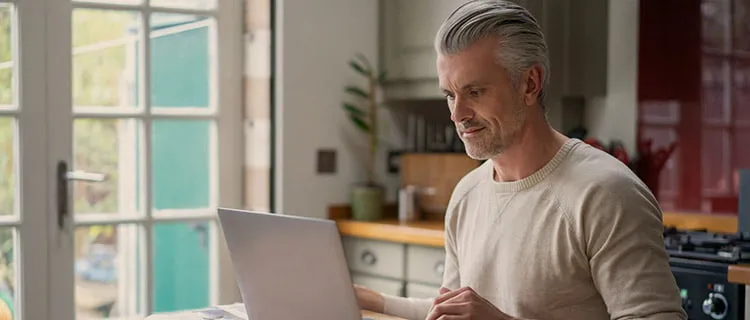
{"x":181,"y":265}
{"x":6,"y":55}
{"x":105,"y":53}
{"x":715,"y":86}
{"x":741,"y":91}
{"x":715,"y":162}
{"x":7,"y":166}
{"x":107,"y":264}
{"x":741,"y":152}
{"x":741,"y":21}
{"x":180,"y":61}
{"x":8,"y":272}
{"x":181,"y":155}
{"x":716,"y":17}
{"x":108,"y":146}
{"x":185,"y":4}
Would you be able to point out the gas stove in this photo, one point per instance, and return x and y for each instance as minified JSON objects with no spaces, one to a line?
{"x":708,"y":246}
{"x":699,"y":261}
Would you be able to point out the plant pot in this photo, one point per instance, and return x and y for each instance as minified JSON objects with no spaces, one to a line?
{"x":367,"y":202}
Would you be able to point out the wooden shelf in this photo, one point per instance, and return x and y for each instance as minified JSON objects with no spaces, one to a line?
{"x":427,"y":233}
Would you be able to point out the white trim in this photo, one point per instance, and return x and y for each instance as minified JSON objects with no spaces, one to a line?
{"x":58,"y":40}
{"x":147,"y":195}
{"x":180,"y":214}
{"x":8,"y":112}
{"x":129,"y":115}
{"x":93,"y":219}
{"x":186,"y":111}
{"x":11,"y":220}
{"x":229,"y":86}
{"x":31,"y":245}
{"x":144,"y":8}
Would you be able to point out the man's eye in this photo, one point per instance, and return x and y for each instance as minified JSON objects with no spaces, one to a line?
{"x":449,"y":96}
{"x":474,"y":93}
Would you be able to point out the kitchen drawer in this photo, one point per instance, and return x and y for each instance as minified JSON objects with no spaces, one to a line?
{"x":375,"y":257}
{"x":418,"y":290}
{"x":425,"y":264}
{"x":382,"y":285}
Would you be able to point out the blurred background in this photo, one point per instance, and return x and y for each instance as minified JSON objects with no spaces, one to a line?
{"x":124,"y":124}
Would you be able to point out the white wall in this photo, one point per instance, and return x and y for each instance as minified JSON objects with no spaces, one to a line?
{"x":314,"y":41}
{"x":614,"y":116}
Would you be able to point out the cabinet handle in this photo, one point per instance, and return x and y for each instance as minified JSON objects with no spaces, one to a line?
{"x":440,"y":268}
{"x":369,"y":258}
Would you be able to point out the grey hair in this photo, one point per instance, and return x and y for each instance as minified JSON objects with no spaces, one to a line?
{"x":521,"y":39}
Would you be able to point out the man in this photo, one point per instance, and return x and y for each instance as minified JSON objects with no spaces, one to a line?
{"x":548,"y":227}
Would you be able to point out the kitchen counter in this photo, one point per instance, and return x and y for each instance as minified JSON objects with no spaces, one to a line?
{"x":739,"y":274}
{"x":427,"y":233}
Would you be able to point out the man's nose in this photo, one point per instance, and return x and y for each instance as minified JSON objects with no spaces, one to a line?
{"x":461,"y":111}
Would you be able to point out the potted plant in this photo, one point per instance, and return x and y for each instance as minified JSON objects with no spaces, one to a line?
{"x":367,"y":197}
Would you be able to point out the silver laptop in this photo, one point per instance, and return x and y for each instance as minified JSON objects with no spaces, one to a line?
{"x":289,"y":267}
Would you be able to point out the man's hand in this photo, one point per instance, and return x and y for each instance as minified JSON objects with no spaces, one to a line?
{"x":369,"y":299}
{"x":464,"y":303}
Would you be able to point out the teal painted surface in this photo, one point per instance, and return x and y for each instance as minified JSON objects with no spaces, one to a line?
{"x":180,"y":170}
{"x":180,"y":267}
{"x":180,"y":69}
{"x":180,"y":160}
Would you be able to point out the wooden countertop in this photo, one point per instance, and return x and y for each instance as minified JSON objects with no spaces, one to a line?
{"x":427,"y":233}
{"x":430,"y":233}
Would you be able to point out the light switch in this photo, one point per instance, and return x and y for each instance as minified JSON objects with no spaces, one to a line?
{"x":326,"y":161}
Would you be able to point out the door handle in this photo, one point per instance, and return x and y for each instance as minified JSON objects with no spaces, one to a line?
{"x":63,"y":176}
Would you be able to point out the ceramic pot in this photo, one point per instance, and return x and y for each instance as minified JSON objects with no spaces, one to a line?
{"x":367,"y":202}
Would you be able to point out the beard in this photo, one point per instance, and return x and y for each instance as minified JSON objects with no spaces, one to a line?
{"x":493,"y":141}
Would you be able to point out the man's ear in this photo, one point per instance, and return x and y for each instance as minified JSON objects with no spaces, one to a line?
{"x":533,"y":85}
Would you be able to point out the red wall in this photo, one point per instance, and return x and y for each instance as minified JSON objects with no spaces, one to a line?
{"x":693,"y":75}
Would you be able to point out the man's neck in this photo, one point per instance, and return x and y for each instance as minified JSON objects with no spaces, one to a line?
{"x":536,"y":146}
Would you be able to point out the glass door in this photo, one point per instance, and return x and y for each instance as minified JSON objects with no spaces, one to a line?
{"x":144,"y":139}
{"x":23,"y":190}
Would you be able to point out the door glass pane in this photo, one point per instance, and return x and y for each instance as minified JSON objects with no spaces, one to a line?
{"x":107,"y":277}
{"x":111,"y":147}
{"x":181,"y":265}
{"x":181,"y":63}
{"x":185,"y":4}
{"x":105,"y":51}
{"x":181,"y":155}
{"x":741,"y":91}
{"x":6,"y":55}
{"x":8,"y":273}
{"x":7,"y":166}
{"x":715,"y":89}
{"x":741,"y":21}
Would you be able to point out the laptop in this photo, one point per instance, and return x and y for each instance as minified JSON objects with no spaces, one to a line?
{"x":289,"y":267}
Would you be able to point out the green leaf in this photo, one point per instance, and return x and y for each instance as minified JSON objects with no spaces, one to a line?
{"x":382,"y":77}
{"x":361,"y":124}
{"x":357,"y":91}
{"x":362,"y":58}
{"x":354,"y":110}
{"x":359,"y":68}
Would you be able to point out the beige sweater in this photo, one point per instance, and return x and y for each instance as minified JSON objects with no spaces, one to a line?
{"x":579,"y":239}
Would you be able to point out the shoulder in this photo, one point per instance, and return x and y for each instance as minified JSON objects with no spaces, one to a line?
{"x":602,"y":197}
{"x":591,"y":174}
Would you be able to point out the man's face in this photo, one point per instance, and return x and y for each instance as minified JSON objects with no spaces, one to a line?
{"x":485,"y":106}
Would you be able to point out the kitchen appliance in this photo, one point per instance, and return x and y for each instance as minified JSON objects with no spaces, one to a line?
{"x":700,"y":261}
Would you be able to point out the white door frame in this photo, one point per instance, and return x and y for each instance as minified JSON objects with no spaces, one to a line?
{"x":31,"y":250}
{"x":59,"y":123}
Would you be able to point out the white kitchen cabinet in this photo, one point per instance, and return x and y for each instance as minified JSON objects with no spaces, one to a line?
{"x":576,"y":32}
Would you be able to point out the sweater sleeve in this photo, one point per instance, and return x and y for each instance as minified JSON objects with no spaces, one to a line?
{"x":417,"y":309}
{"x":623,"y":234}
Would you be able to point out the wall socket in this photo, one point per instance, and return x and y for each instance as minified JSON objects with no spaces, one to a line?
{"x":326,"y":161}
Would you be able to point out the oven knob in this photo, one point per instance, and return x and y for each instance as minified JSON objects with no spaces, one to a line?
{"x":715,"y":306}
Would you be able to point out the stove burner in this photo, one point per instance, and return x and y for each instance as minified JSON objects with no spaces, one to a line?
{"x":703,"y":245}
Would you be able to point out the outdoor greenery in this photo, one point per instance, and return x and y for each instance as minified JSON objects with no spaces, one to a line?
{"x":97,"y":81}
